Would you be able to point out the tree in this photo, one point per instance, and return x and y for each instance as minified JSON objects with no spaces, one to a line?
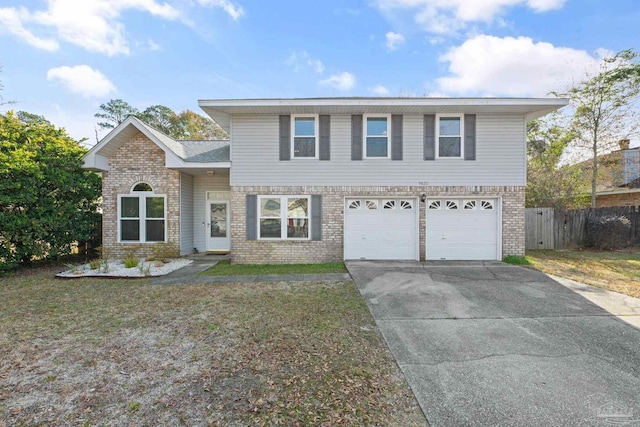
{"x":605,"y":107}
{"x":115,"y":112}
{"x":47,"y":201}
{"x":193,"y":126}
{"x":549,"y":183}
{"x":160,"y":117}
{"x":185,"y":125}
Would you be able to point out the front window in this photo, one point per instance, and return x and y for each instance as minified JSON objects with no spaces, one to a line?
{"x":376,"y":134}
{"x":284,"y":217}
{"x":305,"y":136}
{"x":450,"y":136}
{"x":142,"y":215}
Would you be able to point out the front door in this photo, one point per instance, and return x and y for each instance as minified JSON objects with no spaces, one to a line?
{"x":218,"y":238}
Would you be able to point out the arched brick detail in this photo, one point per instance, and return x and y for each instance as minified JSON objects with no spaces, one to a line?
{"x":138,"y":160}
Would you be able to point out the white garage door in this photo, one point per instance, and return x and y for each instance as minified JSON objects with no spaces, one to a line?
{"x":381,"y":229}
{"x":462,"y":229}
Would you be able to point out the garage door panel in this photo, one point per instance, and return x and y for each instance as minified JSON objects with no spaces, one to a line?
{"x":462,"y":234}
{"x":380,"y":234}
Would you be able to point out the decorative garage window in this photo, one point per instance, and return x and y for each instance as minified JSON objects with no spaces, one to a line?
{"x":451,"y":205}
{"x":284,"y":217}
{"x":469,"y":205}
{"x":406,"y":204}
{"x":142,"y":215}
{"x":389,"y":204}
{"x":372,"y":204}
{"x":487,"y":205}
{"x":435,"y":205}
{"x":355,"y":204}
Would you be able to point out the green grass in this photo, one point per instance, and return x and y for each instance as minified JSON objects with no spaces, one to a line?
{"x":615,"y":271}
{"x":517,"y":260}
{"x":225,"y":268}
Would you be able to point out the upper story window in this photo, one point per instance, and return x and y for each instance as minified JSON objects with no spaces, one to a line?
{"x":376,"y":136}
{"x":284,"y":217}
{"x":142,"y":215}
{"x":305,"y":136}
{"x":449,"y":131}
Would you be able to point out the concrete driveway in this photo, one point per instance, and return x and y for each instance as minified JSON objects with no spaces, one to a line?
{"x":490,"y":344}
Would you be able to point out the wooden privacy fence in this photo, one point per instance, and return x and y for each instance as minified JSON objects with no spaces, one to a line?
{"x":548,"y":228}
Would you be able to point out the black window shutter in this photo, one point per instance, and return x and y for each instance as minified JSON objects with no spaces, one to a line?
{"x":429,"y":136}
{"x":356,"y":137}
{"x":316,"y":217}
{"x":252,"y":217}
{"x":396,"y":137}
{"x":285,"y":137}
{"x":325,"y":142}
{"x":469,"y":136}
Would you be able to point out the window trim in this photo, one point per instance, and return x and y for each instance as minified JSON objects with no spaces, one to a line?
{"x":142,"y":217}
{"x":437,"y":148}
{"x":316,"y":129}
{"x":283,"y":216}
{"x":365,"y":117}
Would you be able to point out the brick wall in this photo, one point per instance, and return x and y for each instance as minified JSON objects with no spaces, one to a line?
{"x":610,"y":200}
{"x":330,"y":249}
{"x":138,"y":160}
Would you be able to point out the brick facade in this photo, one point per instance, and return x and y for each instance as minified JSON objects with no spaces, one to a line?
{"x":138,"y":160}
{"x":612,"y":200}
{"x":330,"y":248}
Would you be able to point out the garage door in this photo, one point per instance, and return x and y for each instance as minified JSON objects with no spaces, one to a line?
{"x":381,"y":229}
{"x":462,"y":229}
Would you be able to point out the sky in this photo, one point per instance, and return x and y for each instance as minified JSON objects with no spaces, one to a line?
{"x":64,"y":58}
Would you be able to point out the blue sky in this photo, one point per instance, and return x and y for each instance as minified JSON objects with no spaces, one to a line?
{"x":63,"y":58}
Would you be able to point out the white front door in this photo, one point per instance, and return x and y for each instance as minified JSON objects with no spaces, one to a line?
{"x":218,"y":238}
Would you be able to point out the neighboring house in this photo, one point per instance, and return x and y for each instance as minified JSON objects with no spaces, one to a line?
{"x":327,"y":179}
{"x":618,"y":182}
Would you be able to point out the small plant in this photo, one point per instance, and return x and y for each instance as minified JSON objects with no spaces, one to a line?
{"x":145,"y":268}
{"x":131,"y":259}
{"x":517,"y":260}
{"x":213,"y":327}
{"x":134,"y":406}
{"x":95,"y":264}
{"x":104,"y":259}
{"x":163,"y":252}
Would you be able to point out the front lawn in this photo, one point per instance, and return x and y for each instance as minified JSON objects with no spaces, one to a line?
{"x":120,"y":352}
{"x":225,"y":268}
{"x":615,"y":271}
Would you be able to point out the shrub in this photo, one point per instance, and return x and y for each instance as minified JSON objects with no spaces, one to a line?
{"x":95,"y":263}
{"x":164,"y":252}
{"x":131,"y":258}
{"x":608,"y":232}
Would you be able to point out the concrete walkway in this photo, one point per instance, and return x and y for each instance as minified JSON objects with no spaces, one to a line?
{"x":490,"y":344}
{"x":190,"y":274}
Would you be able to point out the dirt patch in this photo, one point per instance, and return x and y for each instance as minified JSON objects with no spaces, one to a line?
{"x":99,"y":352}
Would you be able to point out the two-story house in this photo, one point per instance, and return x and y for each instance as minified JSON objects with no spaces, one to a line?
{"x":326,"y":179}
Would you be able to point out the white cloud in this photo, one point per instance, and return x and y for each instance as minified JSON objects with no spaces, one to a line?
{"x":152,"y":45}
{"x":342,"y":81}
{"x":393,"y":40}
{"x":301,"y":59}
{"x":11,"y":22}
{"x":488,"y":65}
{"x":83,"y":80}
{"x":234,"y":10}
{"x":380,"y":90}
{"x":450,"y":16}
{"x":94,"y":25}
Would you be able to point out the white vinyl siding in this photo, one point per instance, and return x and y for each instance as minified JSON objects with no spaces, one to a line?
{"x":500,"y":156}
{"x":202,"y":184}
{"x":186,"y":214}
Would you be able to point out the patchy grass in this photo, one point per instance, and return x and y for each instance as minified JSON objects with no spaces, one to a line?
{"x":120,"y":352}
{"x":225,"y":268}
{"x":517,"y":260}
{"x":615,"y":271}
